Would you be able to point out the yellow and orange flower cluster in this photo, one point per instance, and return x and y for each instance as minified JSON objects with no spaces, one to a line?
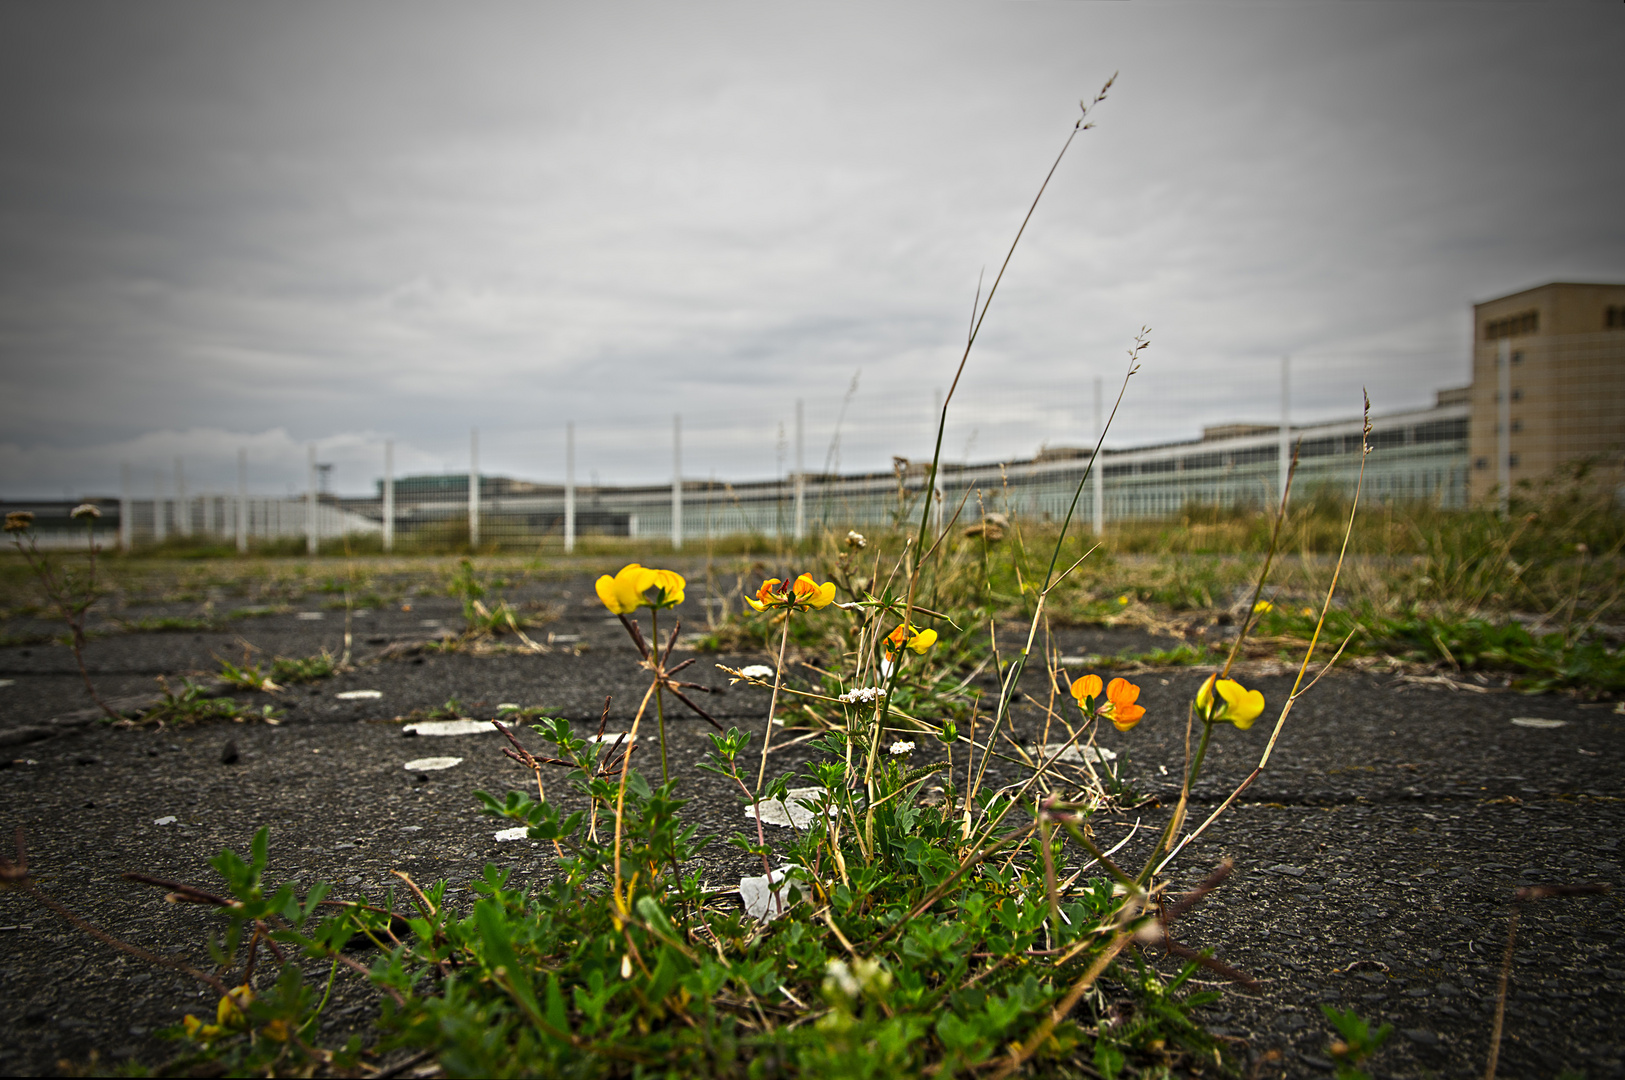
{"x":628,"y":590}
{"x":798,"y":595}
{"x":908,"y":636}
{"x":1229,"y":701}
{"x":1119,"y":704}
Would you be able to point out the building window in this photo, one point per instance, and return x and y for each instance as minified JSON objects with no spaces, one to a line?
{"x":1519,"y":325}
{"x":1517,"y":394}
{"x":1481,"y":463}
{"x":1517,"y":356}
{"x":1614,"y":318}
{"x":1517,"y":425}
{"x":1512,"y":460}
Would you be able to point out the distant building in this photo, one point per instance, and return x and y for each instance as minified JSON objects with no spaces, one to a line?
{"x":1567,"y":348}
{"x":442,"y":487}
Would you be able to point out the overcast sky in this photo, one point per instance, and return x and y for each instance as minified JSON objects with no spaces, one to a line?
{"x":261,"y":225}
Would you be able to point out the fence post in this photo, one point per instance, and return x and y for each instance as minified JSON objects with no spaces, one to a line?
{"x":677,"y":481}
{"x":473,"y":488}
{"x":126,"y":514}
{"x":569,"y":487}
{"x":801,"y":479}
{"x":1097,"y":467}
{"x":183,"y":519}
{"x":389,"y":495}
{"x":242,"y":500}
{"x":160,"y":531}
{"x":1285,"y":449}
{"x":310,"y":502}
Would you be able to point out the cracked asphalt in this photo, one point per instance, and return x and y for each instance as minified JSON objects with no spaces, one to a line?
{"x":1374,"y":858}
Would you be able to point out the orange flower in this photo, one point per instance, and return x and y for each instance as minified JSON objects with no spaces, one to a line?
{"x":799,"y":595}
{"x":1121,"y":709}
{"x":1119,"y":706}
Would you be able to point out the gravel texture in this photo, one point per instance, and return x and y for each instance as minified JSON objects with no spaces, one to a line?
{"x":1374,"y":859}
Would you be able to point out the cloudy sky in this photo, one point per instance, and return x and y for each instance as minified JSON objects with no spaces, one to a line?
{"x":257,"y":226}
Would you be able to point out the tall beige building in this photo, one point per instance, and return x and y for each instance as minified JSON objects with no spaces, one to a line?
{"x":1566,"y":344}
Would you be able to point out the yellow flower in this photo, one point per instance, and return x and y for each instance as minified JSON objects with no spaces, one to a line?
{"x":230,"y":1012}
{"x":668,"y":586}
{"x":624,"y":593}
{"x":198,"y":1030}
{"x":1235,"y":703}
{"x":799,"y":595}
{"x":1119,"y":706}
{"x":1123,"y":600}
{"x":1263,"y":606}
{"x":908,"y":636}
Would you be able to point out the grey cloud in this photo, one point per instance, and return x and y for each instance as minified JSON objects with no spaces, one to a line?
{"x":340,"y":223}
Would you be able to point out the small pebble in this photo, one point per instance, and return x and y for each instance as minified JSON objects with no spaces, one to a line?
{"x":228,"y":753}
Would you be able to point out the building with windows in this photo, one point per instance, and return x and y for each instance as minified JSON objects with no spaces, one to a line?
{"x":1564,"y":347}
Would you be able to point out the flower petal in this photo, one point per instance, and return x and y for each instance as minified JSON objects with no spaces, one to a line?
{"x":1241,"y":705}
{"x":1122,"y":693}
{"x":1204,"y":696}
{"x":1088,"y":686}
{"x":671,"y":585}
{"x":923,"y":640}
{"x":1124,"y":717}
{"x":614,"y":597}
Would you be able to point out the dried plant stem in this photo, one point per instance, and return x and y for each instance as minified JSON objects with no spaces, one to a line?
{"x":123,"y":946}
{"x":773,"y":702}
{"x":1064,"y":1006}
{"x":620,"y":799}
{"x":1298,"y":688}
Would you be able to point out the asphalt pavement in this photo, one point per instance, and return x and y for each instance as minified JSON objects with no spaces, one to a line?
{"x":1374,"y":859}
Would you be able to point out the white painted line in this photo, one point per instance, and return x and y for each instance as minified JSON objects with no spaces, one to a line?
{"x":794,"y":810}
{"x":432,"y":764}
{"x":1537,"y":722}
{"x":359,"y":695}
{"x":449,"y":727}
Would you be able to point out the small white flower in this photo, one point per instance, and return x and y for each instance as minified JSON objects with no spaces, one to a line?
{"x":856,"y":540}
{"x":757,"y":671}
{"x":899,"y":748}
{"x":837,"y":976}
{"x":85,"y":510}
{"x":860,"y":696}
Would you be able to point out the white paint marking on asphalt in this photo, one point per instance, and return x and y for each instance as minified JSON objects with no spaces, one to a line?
{"x":1537,"y":722}
{"x":449,"y":727}
{"x":794,"y":810}
{"x":520,"y":832}
{"x":432,"y":764}
{"x":7,"y":682}
{"x":167,"y":820}
{"x":1073,"y":752}
{"x":359,"y":695}
{"x":310,"y":616}
{"x":612,"y":738}
{"x":767,"y":897}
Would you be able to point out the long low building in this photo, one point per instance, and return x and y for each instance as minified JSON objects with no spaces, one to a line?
{"x":1548,"y":389}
